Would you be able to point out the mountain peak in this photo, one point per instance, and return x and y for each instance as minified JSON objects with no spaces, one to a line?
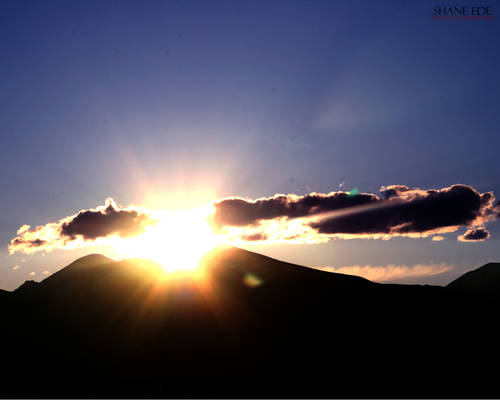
{"x":485,"y":280}
{"x":80,"y":265}
{"x":94,"y":257}
{"x":27,"y":286}
{"x":87,"y":261}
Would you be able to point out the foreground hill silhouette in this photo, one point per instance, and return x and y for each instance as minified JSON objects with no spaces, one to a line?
{"x":250,"y":326}
{"x":482,"y":281}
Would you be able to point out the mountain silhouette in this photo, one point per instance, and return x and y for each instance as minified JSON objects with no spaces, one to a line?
{"x":27,"y":286}
{"x":245,"y":326}
{"x":484,"y":280}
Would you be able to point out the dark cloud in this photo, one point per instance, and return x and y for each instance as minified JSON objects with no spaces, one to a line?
{"x":416,"y":212}
{"x":399,"y":211}
{"x":92,"y":224}
{"x":474,"y":235}
{"x":84,"y":227}
{"x":241,"y":212}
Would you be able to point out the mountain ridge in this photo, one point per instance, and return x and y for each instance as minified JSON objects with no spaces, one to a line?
{"x":484,"y":280}
{"x":116,"y":328}
{"x":94,"y":259}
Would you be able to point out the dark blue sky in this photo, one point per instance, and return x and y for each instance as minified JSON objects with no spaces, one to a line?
{"x":246,"y":98}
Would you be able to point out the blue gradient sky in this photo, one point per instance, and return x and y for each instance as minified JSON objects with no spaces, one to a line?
{"x":161,"y":103}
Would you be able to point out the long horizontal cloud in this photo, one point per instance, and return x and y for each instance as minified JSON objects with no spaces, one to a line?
{"x":85,"y":227}
{"x":418,"y":212}
{"x":397,"y":211}
{"x":391,"y":273}
{"x":240,"y":212}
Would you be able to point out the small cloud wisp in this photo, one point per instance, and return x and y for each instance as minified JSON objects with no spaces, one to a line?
{"x":390,"y":273}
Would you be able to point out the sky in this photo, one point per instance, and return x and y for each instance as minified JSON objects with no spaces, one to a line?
{"x":174,"y":105}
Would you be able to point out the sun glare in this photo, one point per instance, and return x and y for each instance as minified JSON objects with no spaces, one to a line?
{"x":178,"y":241}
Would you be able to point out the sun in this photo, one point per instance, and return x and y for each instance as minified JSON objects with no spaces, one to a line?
{"x":178,"y":241}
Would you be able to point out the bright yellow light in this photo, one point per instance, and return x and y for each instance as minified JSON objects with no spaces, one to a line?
{"x":178,"y":241}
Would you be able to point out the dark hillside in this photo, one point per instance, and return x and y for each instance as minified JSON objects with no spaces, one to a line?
{"x":484,"y":280}
{"x":250,"y":326}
